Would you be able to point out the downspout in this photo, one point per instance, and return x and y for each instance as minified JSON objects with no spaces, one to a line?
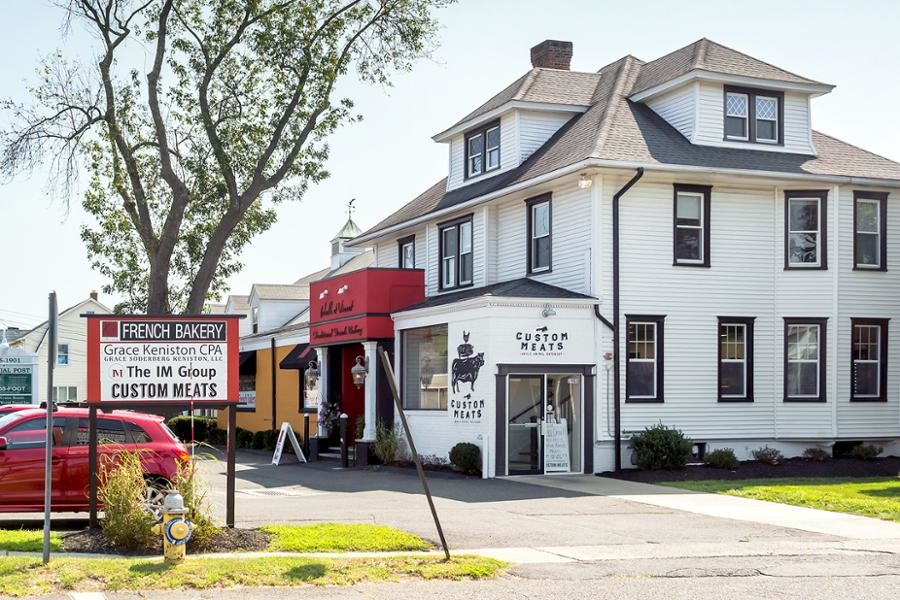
{"x":603,"y":319}
{"x":274,"y":384}
{"x":617,"y":412}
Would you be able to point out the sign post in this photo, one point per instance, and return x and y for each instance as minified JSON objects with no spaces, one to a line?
{"x":48,"y":446}
{"x":141,"y":362}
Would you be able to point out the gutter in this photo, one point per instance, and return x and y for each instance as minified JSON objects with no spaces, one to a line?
{"x":603,"y":319}
{"x":616,"y":164}
{"x":617,"y":362}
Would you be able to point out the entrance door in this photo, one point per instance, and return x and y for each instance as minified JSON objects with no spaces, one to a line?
{"x":545,"y":425}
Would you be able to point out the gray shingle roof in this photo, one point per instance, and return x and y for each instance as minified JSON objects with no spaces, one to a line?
{"x":707,"y":55}
{"x":517,"y":288}
{"x":239,"y":302}
{"x":540,"y":85}
{"x":269,"y":291}
{"x":617,"y":129}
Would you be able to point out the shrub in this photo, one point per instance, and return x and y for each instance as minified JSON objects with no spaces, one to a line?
{"x":768,"y":456}
{"x":193,"y":490}
{"x":660,"y":447}
{"x":181,"y":426}
{"x":816,"y":454}
{"x":466,"y":457}
{"x":259,"y":440}
{"x":722,"y":458}
{"x":386,"y":443}
{"x":359,"y":427}
{"x":217,"y":437}
{"x":866,"y":451}
{"x":244,"y":438}
{"x":121,"y":489}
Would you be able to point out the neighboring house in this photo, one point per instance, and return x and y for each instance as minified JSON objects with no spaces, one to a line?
{"x":655,"y":242}
{"x":70,"y":372}
{"x":275,"y":351}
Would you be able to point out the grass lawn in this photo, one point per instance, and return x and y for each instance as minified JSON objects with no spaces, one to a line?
{"x":342,"y":537}
{"x":27,"y":576}
{"x":25,"y":540}
{"x":877,"y":497}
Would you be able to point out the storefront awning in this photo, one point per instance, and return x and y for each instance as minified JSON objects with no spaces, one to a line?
{"x":247,"y":363}
{"x":298,"y":357}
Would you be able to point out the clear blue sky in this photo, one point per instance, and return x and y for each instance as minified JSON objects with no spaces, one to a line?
{"x":389,"y":158}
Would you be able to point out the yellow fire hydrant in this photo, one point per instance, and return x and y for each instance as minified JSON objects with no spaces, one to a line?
{"x":175,"y":529}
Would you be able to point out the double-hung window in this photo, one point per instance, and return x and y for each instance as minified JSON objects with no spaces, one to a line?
{"x":691,"y":225}
{"x":644,"y":365}
{"x":869,"y":228}
{"x":868,"y":353}
{"x":804,"y":360}
{"x":805,"y":217}
{"x":62,"y":354}
{"x":736,"y":359}
{"x":482,"y":148}
{"x":539,"y":234}
{"x":753,"y":115}
{"x":456,"y":253}
{"x":407,"y":252}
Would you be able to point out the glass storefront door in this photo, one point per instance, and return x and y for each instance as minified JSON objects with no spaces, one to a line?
{"x":545,"y":429}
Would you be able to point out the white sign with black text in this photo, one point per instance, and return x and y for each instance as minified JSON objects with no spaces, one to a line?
{"x":556,"y":447}
{"x":287,"y":432}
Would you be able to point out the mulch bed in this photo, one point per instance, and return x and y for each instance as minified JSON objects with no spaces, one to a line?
{"x":792,"y":467}
{"x":225,"y":540}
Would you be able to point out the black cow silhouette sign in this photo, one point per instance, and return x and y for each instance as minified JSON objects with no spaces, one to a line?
{"x":465,"y":369}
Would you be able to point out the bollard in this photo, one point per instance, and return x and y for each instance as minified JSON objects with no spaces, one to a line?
{"x":345,"y":454}
{"x":306,"y":434}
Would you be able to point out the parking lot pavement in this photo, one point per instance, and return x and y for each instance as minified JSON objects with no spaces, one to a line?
{"x":475,"y":513}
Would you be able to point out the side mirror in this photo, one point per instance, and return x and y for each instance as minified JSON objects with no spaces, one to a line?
{"x":3,"y":443}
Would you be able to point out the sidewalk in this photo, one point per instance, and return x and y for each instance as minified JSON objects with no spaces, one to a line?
{"x":728,"y":507}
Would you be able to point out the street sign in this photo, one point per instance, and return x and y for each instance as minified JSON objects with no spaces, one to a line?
{"x":160,"y":360}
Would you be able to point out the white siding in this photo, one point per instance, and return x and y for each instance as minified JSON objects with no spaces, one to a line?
{"x":570,"y":242}
{"x":509,"y":153}
{"x":710,"y":123}
{"x":678,"y":108}
{"x":868,"y":294}
{"x":746,"y":279}
{"x":535,"y":128}
{"x":275,"y":313}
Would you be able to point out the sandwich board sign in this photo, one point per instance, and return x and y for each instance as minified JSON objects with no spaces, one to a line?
{"x":287,"y":432}
{"x":163,"y":360}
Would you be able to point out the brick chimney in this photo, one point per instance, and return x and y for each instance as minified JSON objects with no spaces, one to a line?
{"x":552,"y":54}
{"x":93,"y":294}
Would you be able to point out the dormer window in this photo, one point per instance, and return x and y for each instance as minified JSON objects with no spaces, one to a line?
{"x":754,"y":115}
{"x":483,"y":150}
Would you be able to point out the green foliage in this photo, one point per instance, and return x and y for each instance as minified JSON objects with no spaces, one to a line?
{"x":187,"y":164}
{"x":659,"y":447}
{"x":721,"y":458}
{"x":189,"y":483}
{"x":244,"y":438}
{"x":387,"y":443}
{"x":360,"y":427}
{"x":265,"y":439}
{"x":816,"y":454}
{"x":126,"y":522}
{"x":181,"y":426}
{"x":866,"y":451}
{"x":466,"y":457}
{"x":768,"y":456}
{"x":341,"y":537}
{"x":28,"y":540}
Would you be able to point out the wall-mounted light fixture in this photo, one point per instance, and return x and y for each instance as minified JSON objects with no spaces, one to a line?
{"x":323,"y":294}
{"x":548,"y":311}
{"x":359,"y":371}
{"x":584,"y":182}
{"x":343,"y":288}
{"x":312,"y":374}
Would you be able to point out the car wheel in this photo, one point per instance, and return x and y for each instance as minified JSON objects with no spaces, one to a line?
{"x":155,"y":496}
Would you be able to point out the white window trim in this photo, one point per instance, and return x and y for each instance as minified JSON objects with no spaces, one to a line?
{"x":818,"y":233}
{"x":763,"y":140}
{"x":815,"y":361}
{"x":488,"y":149}
{"x":876,"y":362}
{"x":736,"y":360}
{"x":449,"y":268}
{"x":646,"y":360}
{"x":534,"y":238}
{"x":471,"y":172}
{"x":876,"y":233}
{"x":403,"y":247}
{"x":67,"y":354}
{"x":745,"y":116}
{"x":703,"y":233}
{"x":470,"y":251}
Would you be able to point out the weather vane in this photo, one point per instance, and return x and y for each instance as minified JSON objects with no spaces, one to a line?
{"x":350,"y":208}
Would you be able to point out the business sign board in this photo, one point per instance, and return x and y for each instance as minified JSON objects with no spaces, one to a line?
{"x":18,"y":377}
{"x":177,"y":359}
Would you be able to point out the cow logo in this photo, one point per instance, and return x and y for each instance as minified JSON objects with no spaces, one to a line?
{"x":465,"y":368}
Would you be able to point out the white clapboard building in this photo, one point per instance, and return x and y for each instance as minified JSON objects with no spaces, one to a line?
{"x":654,"y":242}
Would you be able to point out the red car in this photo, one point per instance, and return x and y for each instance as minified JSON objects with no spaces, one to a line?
{"x":22,"y":450}
{"x":8,"y":408}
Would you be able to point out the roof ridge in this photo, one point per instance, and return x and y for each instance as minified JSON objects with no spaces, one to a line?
{"x":860,"y":148}
{"x":612,"y":102}
{"x":527,"y":82}
{"x":699,"y":56}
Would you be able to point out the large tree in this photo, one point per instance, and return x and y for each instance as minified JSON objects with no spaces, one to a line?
{"x":186,"y":164}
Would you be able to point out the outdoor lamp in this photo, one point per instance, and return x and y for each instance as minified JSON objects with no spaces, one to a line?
{"x":359,"y":371}
{"x":312,"y":374}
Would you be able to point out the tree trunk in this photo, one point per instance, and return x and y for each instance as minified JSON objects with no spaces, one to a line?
{"x":158,"y":291}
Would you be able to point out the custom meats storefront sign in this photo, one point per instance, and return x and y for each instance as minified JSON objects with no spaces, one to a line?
{"x":467,"y":400}
{"x":542,"y":341}
{"x":163,"y":359}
